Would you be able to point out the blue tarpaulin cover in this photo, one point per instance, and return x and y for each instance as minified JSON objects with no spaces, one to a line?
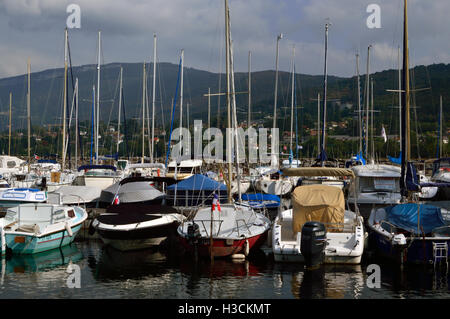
{"x":267,"y":200}
{"x":198,"y":182}
{"x":405,"y":216}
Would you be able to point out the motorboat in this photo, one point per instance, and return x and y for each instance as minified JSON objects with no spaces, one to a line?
{"x":441,"y":174}
{"x":134,"y":226}
{"x":344,"y":233}
{"x":100,"y":176}
{"x":410,"y":233}
{"x":227,"y":230}
{"x":376,"y":185}
{"x":132,"y":190}
{"x":273,"y":182}
{"x":11,"y":197}
{"x":183,"y":169}
{"x":34,"y":228}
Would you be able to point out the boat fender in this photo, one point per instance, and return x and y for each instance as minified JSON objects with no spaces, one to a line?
{"x":69,"y":230}
{"x":246,"y":248}
{"x":91,"y":230}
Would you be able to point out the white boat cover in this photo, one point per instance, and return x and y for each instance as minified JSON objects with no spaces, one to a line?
{"x":131,"y":192}
{"x":71,"y":194}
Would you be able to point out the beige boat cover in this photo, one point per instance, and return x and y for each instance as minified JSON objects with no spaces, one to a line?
{"x":321,"y":203}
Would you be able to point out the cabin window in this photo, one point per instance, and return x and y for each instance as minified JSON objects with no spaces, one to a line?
{"x":71,"y":213}
{"x":386,"y":184}
{"x":11,"y":164}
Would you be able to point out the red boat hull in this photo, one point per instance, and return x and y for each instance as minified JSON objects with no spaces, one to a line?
{"x":222,"y":247}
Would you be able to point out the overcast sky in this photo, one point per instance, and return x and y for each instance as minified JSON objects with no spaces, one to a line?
{"x":35,"y":29}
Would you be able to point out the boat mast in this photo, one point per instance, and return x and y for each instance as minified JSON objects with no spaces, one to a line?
{"x":371,"y":120}
{"x":279,"y":37}
{"x":227,"y":63}
{"x":249,"y":90}
{"x":318,"y":123}
{"x":181,"y":93}
{"x":359,"y":104}
{"x":63,"y":166}
{"x":29,"y":116}
{"x":120,"y":108}
{"x":292,"y":102}
{"x":440,"y":127}
{"x":76,"y":122}
{"x":143,"y":113}
{"x":10,"y":113}
{"x":324,"y":109}
{"x":400,"y":95}
{"x":235,"y":126}
{"x":406,"y":155}
{"x":367,"y":103}
{"x":153,"y":99}
{"x":98,"y":99}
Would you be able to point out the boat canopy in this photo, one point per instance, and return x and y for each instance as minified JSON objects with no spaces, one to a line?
{"x":83,"y":167}
{"x":415,"y":218}
{"x":146,"y":165}
{"x":321,"y":203}
{"x":318,"y":171}
{"x":198,"y":182}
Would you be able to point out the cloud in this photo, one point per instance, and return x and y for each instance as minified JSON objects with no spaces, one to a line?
{"x":197,"y":26}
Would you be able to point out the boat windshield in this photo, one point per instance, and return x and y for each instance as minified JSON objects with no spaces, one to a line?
{"x":379,"y":184}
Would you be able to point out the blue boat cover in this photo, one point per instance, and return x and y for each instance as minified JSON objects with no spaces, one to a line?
{"x":261,"y":198}
{"x":47,"y":161}
{"x":405,"y":216}
{"x":97,"y":167}
{"x":198,"y":182}
{"x":396,"y":160}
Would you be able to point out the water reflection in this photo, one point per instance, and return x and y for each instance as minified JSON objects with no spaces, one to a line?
{"x":120,"y":265}
{"x":328,"y":281}
{"x":43,"y":261}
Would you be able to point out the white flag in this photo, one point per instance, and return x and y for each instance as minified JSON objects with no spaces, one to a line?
{"x":383,"y":134}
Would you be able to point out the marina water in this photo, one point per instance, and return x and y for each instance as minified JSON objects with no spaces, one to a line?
{"x":163,"y":274}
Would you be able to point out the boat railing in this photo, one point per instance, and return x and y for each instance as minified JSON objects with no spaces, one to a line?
{"x":245,"y":224}
{"x":210,"y":221}
{"x":74,"y":195}
{"x":341,"y":227}
{"x":387,"y":226}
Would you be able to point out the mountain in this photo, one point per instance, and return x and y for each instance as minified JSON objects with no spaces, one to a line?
{"x":47,"y":94}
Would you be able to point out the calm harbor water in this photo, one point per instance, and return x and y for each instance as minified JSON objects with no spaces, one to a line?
{"x":108,"y":273}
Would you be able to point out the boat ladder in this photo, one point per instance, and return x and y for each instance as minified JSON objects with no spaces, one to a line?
{"x":440,"y":252}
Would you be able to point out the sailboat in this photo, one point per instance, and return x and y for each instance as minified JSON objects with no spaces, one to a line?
{"x":410,"y":232}
{"x":229,"y":229}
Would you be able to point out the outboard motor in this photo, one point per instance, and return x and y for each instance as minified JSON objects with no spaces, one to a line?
{"x":44,"y":183}
{"x":313,"y":243}
{"x":193,"y":231}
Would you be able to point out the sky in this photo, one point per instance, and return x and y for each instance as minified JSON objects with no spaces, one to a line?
{"x":35,"y":29}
